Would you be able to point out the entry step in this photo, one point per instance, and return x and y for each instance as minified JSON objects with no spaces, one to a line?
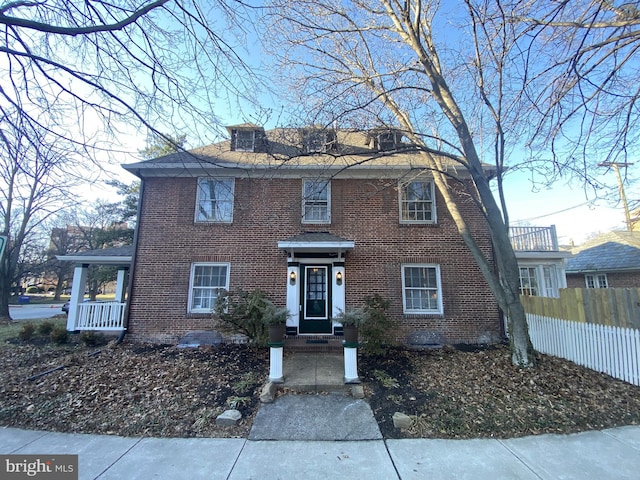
{"x":314,"y":343}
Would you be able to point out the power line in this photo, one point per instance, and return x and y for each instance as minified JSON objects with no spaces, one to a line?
{"x":554,"y":213}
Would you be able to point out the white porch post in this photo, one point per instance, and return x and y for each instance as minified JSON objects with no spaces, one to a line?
{"x":121,"y":284}
{"x":275,"y":365}
{"x":338,"y":290}
{"x":351,"y":365}
{"x":77,"y":294}
{"x":293,"y":294}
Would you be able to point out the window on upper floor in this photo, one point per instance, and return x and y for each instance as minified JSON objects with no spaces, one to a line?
{"x":318,"y":140}
{"x":388,"y":141}
{"x":207,"y":281}
{"x":597,"y":281}
{"x":385,"y":139}
{"x":421,"y":289}
{"x":214,"y":201}
{"x":417,"y":203}
{"x":316,"y":201}
{"x":245,"y":140}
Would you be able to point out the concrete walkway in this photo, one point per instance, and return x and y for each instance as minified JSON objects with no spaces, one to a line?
{"x":610,"y":454}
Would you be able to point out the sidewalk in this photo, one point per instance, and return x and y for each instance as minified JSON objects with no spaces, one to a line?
{"x":608,"y":454}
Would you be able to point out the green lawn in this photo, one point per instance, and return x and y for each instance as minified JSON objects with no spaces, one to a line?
{"x":13,"y":329}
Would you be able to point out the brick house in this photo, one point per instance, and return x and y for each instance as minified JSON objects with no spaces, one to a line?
{"x":319,"y":219}
{"x":610,"y":260}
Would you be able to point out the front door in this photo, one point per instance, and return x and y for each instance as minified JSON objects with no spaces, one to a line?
{"x":315,"y":301}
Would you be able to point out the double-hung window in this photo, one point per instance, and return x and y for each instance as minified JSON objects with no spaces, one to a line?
{"x":417,"y":202}
{"x":245,"y":140}
{"x":215,"y":200}
{"x":207,"y":281}
{"x":421,"y":289}
{"x":596,"y":281}
{"x":316,"y":201}
{"x":539,"y":280}
{"x":529,"y":281}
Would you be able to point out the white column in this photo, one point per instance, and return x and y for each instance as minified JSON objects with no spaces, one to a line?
{"x":351,"y":365}
{"x":121,"y":284}
{"x":293,"y":295}
{"x":275,"y":365}
{"x":338,"y":292}
{"x":77,"y":294}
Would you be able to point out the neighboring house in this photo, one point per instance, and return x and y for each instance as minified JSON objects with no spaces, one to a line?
{"x":320,"y":219}
{"x":608,"y":260}
{"x":541,"y":261}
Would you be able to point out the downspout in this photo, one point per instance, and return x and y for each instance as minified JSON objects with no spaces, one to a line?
{"x":132,"y":268}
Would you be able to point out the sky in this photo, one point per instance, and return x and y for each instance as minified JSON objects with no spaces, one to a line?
{"x":575,"y":216}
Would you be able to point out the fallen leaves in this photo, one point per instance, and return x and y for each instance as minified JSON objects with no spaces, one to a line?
{"x":470,"y":394}
{"x":130,"y":390}
{"x":163,"y":391}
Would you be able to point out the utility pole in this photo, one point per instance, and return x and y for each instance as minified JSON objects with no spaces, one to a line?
{"x":623,"y":198}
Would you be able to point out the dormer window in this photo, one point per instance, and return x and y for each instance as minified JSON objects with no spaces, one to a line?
{"x":318,"y":141}
{"x":388,"y":141}
{"x":384,"y":140}
{"x":247,"y":138}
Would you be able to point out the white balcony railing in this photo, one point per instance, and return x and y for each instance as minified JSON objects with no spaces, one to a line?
{"x":534,"y":239}
{"x":100,"y":316}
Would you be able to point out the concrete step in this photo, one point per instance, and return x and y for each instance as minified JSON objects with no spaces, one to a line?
{"x":314,"y":372}
{"x":315,"y":343}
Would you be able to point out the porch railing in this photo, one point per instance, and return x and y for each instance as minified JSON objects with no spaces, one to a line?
{"x":100,"y":316}
{"x":534,"y":239}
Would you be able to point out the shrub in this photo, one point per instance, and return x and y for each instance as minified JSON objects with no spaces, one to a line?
{"x":377,"y":327}
{"x":45,"y":328}
{"x":32,"y":290}
{"x":59,"y":335}
{"x":27,"y":331}
{"x":92,"y":339}
{"x":245,"y":312}
{"x":355,"y":317}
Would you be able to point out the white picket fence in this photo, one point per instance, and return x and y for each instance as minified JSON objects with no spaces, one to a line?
{"x":612,"y":350}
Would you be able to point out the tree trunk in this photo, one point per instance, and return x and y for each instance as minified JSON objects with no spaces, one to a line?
{"x":5,"y":286}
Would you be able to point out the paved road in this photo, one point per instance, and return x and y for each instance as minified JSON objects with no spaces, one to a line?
{"x":36,"y":311}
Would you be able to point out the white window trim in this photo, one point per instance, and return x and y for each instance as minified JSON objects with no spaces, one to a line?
{"x":536,"y":279}
{"x":440,"y":309}
{"x":191,"y":286}
{"x":315,"y":142}
{"x":401,"y":186}
{"x":596,"y":281}
{"x":253,"y":141}
{"x":197,"y":218}
{"x":543,"y":288}
{"x":327,"y":221}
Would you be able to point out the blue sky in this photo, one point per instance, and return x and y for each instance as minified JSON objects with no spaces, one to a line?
{"x":576,"y":217}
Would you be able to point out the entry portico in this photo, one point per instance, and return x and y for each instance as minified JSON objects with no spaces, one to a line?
{"x":316,"y":282}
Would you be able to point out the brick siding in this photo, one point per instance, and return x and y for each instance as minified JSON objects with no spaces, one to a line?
{"x":614,"y":280}
{"x":267,"y":211}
